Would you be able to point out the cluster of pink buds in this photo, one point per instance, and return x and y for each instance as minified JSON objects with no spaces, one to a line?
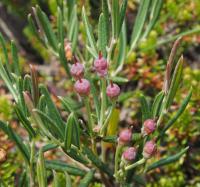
{"x":149,"y":149}
{"x":101,"y":65}
{"x":81,"y":86}
{"x":129,"y":154}
{"x":149,"y":127}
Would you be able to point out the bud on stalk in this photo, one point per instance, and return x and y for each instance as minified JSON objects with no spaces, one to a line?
{"x":149,"y":127}
{"x":101,"y":65}
{"x":149,"y":149}
{"x":129,"y":154}
{"x":125,"y":136}
{"x":82,"y":87}
{"x":113,"y":91}
{"x":77,"y":69}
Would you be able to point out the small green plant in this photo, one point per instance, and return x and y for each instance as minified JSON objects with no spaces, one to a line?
{"x":81,"y":137}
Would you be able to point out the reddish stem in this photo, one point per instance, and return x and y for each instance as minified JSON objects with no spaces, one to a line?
{"x":111,"y":83}
{"x":100,"y":54}
{"x":75,"y":60}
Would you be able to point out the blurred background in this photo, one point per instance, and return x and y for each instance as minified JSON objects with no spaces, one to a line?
{"x":144,"y":70}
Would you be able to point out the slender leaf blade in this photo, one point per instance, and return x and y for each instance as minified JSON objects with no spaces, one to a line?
{"x":85,"y":182}
{"x":89,"y":33}
{"x":41,"y":170}
{"x":139,"y":22}
{"x":168,"y":160}
{"x":102,"y":37}
{"x":175,"y":83}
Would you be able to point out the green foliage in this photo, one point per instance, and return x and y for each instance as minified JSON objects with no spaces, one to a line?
{"x":89,"y":125}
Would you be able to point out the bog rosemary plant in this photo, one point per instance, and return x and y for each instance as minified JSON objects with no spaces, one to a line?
{"x":95,"y":74}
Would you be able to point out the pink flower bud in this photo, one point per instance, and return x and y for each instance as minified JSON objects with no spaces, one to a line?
{"x":149,"y":149}
{"x":129,"y":154}
{"x":149,"y":127}
{"x":101,"y":66}
{"x":112,"y":91}
{"x":125,"y":136}
{"x":82,"y":87}
{"x":77,"y":70}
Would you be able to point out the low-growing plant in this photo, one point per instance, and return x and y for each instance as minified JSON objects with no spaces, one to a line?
{"x":96,"y":151}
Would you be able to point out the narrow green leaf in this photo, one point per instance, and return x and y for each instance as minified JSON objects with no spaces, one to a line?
{"x":139,"y":22}
{"x":19,"y":87}
{"x":23,"y":179}
{"x":15,"y":59}
{"x":69,"y":131}
{"x":157,"y":104}
{"x":52,"y":110}
{"x":92,"y":51}
{"x":178,"y":113}
{"x":122,"y":14}
{"x":70,"y":5}
{"x":19,"y":143}
{"x":70,"y":105}
{"x":41,"y":170}
{"x":110,"y":139}
{"x":34,"y":30}
{"x":175,"y":83}
{"x":119,"y":79}
{"x":75,"y":35}
{"x":97,"y":162}
{"x":42,"y":103}
{"x":122,"y":50}
{"x":7,"y":80}
{"x":63,"y":59}
{"x":56,"y":180}
{"x":102,"y":37}
{"x":43,"y":128}
{"x":146,"y":113}
{"x":68,"y":180}
{"x":106,"y":17}
{"x":3,"y":127}
{"x":62,"y":166}
{"x":89,"y":33}
{"x":51,"y":125}
{"x":168,"y":160}
{"x":96,"y":99}
{"x":27,"y":83}
{"x":5,"y":53}
{"x":49,"y":147}
{"x":74,"y":28}
{"x":154,"y":14}
{"x":60,"y":26}
{"x":85,"y":182}
{"x":115,"y":17}
{"x":76,"y":132}
{"x":72,"y":132}
{"x":73,"y":154}
{"x":24,"y":121}
{"x":46,"y":26}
